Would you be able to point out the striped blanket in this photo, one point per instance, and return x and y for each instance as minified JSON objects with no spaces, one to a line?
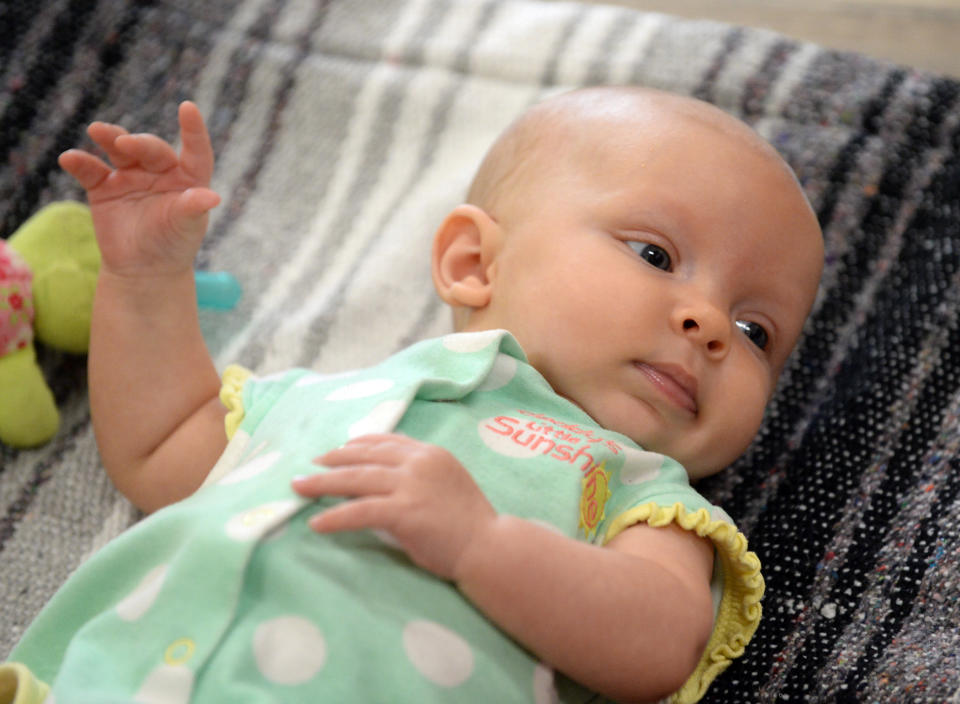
{"x":345,"y":129}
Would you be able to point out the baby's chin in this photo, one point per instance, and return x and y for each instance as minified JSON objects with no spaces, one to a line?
{"x":654,"y":437}
{"x":701,"y":453}
{"x":681,"y":450}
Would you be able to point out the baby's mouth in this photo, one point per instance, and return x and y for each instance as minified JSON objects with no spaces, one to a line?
{"x":673,"y":382}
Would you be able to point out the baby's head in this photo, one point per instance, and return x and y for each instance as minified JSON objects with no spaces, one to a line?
{"x":655,"y":258}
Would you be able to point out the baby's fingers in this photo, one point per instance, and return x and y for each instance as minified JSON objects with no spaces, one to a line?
{"x":385,"y":448}
{"x":147,"y":151}
{"x":104,"y":134}
{"x":362,"y":480}
{"x":88,"y":170}
{"x":357,"y":514}
{"x":196,"y":152}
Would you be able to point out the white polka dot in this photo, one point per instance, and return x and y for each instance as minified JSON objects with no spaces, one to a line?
{"x":360,"y":389}
{"x":467,"y":342}
{"x":260,"y":520}
{"x":249,"y":470}
{"x":270,"y":378}
{"x":167,"y":684}
{"x":50,"y":699}
{"x":143,"y":597}
{"x":382,"y":419}
{"x":308,"y":380}
{"x":508,"y":438}
{"x":503,"y":370}
{"x":438,"y":653}
{"x":718,"y":514}
{"x":276,"y":533}
{"x":289,"y":650}
{"x":544,"y":690}
{"x":640,"y":466}
{"x":314,"y":378}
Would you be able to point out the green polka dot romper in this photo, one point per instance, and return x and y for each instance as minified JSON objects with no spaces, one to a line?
{"x":228,"y":596}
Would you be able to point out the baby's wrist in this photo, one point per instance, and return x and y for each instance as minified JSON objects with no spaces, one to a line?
{"x":481,"y":550}
{"x":147,"y":289}
{"x":140,"y":277}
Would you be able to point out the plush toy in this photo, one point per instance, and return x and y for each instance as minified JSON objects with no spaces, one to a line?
{"x":48,"y":273}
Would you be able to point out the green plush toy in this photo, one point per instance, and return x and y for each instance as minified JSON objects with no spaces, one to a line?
{"x":48,"y":273}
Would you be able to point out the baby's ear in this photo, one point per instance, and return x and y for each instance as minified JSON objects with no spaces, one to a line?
{"x":463,"y":253}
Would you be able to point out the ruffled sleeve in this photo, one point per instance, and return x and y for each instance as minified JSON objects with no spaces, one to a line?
{"x":248,"y":397}
{"x":231,"y":396}
{"x":654,"y":489}
{"x":737,"y":577}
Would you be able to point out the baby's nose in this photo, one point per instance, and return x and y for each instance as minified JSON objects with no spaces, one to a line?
{"x":708,"y":328}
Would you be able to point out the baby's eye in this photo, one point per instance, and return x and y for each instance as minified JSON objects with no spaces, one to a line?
{"x":756,"y":333}
{"x":652,"y":254}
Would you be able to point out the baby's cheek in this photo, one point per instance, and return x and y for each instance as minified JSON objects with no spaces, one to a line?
{"x":741,"y":419}
{"x":726,"y":426}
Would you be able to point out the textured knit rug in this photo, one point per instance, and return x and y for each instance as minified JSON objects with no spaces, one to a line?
{"x":344,"y":130}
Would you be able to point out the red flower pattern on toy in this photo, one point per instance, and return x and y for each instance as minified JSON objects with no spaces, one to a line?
{"x":16,"y":301}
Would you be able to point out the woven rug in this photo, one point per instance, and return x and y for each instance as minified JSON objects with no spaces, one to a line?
{"x":345,"y":130}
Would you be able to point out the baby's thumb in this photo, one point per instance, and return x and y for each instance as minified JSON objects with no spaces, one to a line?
{"x":194,"y":203}
{"x":188,"y":213}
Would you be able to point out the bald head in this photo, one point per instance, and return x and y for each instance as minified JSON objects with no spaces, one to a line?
{"x":571,"y":125}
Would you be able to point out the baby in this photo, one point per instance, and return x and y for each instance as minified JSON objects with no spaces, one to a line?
{"x":627,"y":277}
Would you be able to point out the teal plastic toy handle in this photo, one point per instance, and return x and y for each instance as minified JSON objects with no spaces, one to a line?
{"x":217,"y":290}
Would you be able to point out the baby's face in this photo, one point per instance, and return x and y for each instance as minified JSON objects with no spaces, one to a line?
{"x":659,"y":283}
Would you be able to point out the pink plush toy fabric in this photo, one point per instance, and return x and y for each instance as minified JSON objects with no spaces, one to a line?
{"x":48,"y":273}
{"x":16,"y":301}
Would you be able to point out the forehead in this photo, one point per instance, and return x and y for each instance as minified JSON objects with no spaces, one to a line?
{"x":690,"y":138}
{"x":611,"y":145}
{"x":670,"y":159}
{"x":673,"y":165}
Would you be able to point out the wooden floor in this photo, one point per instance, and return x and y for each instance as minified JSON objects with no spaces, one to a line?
{"x":920,"y":33}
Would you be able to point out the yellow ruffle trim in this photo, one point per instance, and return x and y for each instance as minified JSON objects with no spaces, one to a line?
{"x":19,"y":686}
{"x":231,"y":396}
{"x":739,"y":612}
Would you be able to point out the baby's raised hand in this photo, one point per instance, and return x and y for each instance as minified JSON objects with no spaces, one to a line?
{"x":418,"y":493}
{"x":149,"y":204}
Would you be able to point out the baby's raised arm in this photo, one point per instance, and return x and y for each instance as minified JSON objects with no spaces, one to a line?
{"x":153,"y":385}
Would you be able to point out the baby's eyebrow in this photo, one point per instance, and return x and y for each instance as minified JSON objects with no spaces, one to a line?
{"x":651,"y":222}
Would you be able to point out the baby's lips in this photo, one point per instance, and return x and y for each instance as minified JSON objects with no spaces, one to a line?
{"x":674,"y":382}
